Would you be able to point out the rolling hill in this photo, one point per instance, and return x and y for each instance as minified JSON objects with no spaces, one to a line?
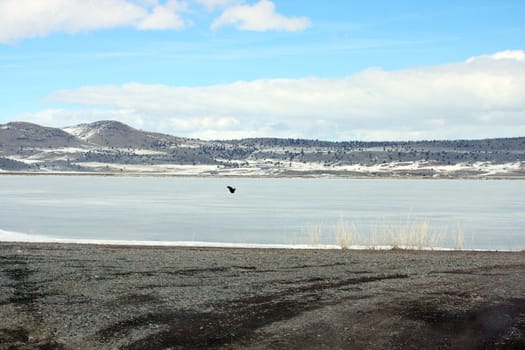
{"x":112,"y":147}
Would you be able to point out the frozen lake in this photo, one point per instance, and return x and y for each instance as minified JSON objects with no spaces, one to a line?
{"x":489,"y":214}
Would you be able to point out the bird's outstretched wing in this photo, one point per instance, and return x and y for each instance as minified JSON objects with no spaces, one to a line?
{"x":231,"y":189}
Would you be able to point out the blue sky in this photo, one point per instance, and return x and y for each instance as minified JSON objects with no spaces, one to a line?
{"x":337,"y":70}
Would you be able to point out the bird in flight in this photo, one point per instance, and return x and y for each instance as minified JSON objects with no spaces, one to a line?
{"x":231,"y":189}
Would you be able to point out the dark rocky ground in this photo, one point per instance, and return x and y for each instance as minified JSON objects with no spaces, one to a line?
{"x":59,"y":296}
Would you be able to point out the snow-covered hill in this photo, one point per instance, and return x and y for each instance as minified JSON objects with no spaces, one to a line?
{"x":114,"y":147}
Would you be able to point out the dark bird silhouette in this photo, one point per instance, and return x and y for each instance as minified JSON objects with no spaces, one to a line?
{"x":231,"y":189}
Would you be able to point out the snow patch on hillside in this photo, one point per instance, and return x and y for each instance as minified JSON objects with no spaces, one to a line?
{"x":82,"y":131}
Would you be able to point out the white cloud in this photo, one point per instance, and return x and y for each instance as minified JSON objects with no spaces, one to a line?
{"x":37,"y":18}
{"x":259,"y":17}
{"x":20,"y":19}
{"x":517,"y":55}
{"x":63,"y":118}
{"x":481,"y":97}
{"x":191,"y":124}
{"x":215,"y":4}
{"x":164,"y":17}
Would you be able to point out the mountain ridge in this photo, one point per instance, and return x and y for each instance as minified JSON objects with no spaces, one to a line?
{"x":117,"y":134}
{"x":113,"y":147}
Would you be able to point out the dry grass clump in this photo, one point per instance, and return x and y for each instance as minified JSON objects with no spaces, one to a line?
{"x":315,"y":233}
{"x":459,"y":239}
{"x":344,"y":233}
{"x":411,"y":235}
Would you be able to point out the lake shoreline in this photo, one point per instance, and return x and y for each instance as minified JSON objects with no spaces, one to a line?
{"x":12,"y":237}
{"x":269,"y":176}
{"x":71,"y":296}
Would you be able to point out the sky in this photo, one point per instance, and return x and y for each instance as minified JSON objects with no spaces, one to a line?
{"x":336,"y":70}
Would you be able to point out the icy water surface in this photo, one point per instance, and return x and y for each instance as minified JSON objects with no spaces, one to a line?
{"x":490,"y":214}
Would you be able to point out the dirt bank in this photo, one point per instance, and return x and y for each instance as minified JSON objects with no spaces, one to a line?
{"x":60,"y":296}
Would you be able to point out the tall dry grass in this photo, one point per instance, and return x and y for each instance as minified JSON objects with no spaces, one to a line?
{"x":410,"y":234}
{"x":459,"y":239}
{"x":344,"y":233}
{"x":413,"y":235}
{"x":315,"y":233}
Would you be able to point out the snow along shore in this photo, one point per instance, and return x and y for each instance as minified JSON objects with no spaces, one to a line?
{"x":10,"y":236}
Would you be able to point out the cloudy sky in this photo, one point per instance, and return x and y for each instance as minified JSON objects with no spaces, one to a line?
{"x":222,"y":69}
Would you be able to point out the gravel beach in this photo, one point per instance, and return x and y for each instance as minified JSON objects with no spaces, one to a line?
{"x":71,"y":296}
